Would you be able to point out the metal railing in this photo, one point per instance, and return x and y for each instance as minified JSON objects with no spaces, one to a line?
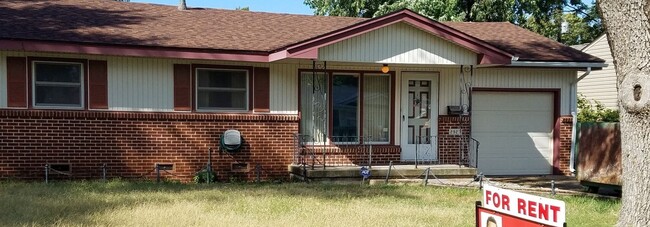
{"x":357,"y":151}
{"x":473,"y":153}
{"x":336,"y":151}
{"x":426,"y":151}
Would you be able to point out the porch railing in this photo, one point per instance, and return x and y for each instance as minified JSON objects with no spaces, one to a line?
{"x":337,"y":151}
{"x":472,"y":153}
{"x":426,"y":147}
{"x":358,"y":151}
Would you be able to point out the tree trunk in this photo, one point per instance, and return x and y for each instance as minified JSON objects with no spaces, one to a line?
{"x":182,"y":5}
{"x":628,"y":31}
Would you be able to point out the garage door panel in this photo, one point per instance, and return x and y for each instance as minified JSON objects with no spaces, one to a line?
{"x":515,"y":166}
{"x":515,"y":141}
{"x":530,"y":122}
{"x":515,"y":132}
{"x":512,"y":101}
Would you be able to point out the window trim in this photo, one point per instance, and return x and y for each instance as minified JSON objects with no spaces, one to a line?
{"x":82,"y":84}
{"x":195,"y":88}
{"x":362,"y":73}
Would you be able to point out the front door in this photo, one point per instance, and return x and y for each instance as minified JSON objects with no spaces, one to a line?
{"x":419,"y":116}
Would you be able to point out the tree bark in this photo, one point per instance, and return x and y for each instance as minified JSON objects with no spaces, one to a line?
{"x":182,"y":5}
{"x":628,"y":32}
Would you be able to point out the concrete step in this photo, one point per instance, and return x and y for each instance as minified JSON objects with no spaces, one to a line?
{"x":380,"y":172}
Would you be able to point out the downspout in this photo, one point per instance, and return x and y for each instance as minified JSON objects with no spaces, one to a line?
{"x":575,"y":119}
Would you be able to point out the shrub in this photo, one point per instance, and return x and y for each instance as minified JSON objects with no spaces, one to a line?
{"x":202,"y":176}
{"x":595,"y":113}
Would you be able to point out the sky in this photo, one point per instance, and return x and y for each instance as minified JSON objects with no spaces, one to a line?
{"x":274,"y":6}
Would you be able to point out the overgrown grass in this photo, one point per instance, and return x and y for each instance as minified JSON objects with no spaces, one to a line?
{"x":120,"y":203}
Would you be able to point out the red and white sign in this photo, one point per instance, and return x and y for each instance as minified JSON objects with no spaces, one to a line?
{"x":534,"y":208}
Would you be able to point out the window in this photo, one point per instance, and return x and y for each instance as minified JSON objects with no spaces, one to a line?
{"x":345,"y":107}
{"x":376,"y":107}
{"x":221,"y":89}
{"x":359,"y":104}
{"x":57,"y":84}
{"x":313,"y":106}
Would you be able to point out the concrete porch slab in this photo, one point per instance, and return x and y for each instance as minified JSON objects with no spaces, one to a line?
{"x":380,"y":172}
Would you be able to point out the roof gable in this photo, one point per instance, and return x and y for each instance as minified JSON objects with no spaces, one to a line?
{"x":398,"y":43}
{"x":487,"y":54}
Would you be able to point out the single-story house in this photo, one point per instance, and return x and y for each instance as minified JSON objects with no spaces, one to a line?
{"x":600,"y":85}
{"x":94,"y":85}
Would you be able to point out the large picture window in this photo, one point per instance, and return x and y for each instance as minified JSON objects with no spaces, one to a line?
{"x":57,"y":84}
{"x":359,"y":106}
{"x":222,"y":89}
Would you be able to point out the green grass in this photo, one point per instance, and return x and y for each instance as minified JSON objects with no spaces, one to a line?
{"x":120,"y":203}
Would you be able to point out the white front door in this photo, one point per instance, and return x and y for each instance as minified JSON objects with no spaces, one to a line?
{"x":419,"y":116}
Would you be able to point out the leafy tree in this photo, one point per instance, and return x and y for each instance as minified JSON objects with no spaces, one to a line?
{"x":245,"y":8}
{"x":542,"y":16}
{"x":346,"y":8}
{"x":442,"y":10}
{"x":627,"y":23}
{"x":595,"y":113}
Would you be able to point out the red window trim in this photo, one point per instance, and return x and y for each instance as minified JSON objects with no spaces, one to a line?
{"x":193,"y":85}
{"x":30,"y":85}
{"x":329,"y":74}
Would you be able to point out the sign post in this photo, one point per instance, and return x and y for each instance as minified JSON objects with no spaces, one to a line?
{"x":503,"y":208}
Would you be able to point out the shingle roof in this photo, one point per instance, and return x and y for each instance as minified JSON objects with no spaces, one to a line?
{"x":140,"y":24}
{"x":525,"y":44}
{"x":111,"y":22}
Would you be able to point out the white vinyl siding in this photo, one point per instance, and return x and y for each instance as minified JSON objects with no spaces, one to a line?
{"x":140,"y":84}
{"x":600,"y":85}
{"x":284,"y":88}
{"x":147,"y":84}
{"x":400,"y":43}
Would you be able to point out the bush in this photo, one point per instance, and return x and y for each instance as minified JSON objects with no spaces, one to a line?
{"x":598,"y":113}
{"x":202,"y":176}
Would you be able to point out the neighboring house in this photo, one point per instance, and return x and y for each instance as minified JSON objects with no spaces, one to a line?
{"x":600,"y":85}
{"x":85,"y":83}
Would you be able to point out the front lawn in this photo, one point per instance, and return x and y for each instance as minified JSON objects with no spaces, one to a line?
{"x":121,"y":203}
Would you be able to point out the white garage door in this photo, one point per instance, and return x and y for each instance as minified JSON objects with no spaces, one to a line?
{"x":515,"y":132}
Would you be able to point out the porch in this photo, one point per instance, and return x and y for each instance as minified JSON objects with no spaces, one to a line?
{"x":397,"y":171}
{"x":344,"y":157}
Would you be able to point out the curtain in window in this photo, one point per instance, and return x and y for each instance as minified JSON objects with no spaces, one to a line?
{"x":313,"y":106}
{"x":376,"y":107}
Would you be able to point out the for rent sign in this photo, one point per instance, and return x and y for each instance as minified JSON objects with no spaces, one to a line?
{"x":529,"y":207}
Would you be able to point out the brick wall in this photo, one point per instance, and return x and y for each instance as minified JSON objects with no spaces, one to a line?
{"x":452,"y":147}
{"x":342,"y":155}
{"x":132,"y":143}
{"x":566,"y":122}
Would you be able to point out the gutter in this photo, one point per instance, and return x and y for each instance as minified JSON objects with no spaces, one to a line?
{"x":557,"y":64}
{"x":572,"y":107}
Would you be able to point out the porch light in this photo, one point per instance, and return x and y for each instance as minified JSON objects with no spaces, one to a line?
{"x":385,"y":69}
